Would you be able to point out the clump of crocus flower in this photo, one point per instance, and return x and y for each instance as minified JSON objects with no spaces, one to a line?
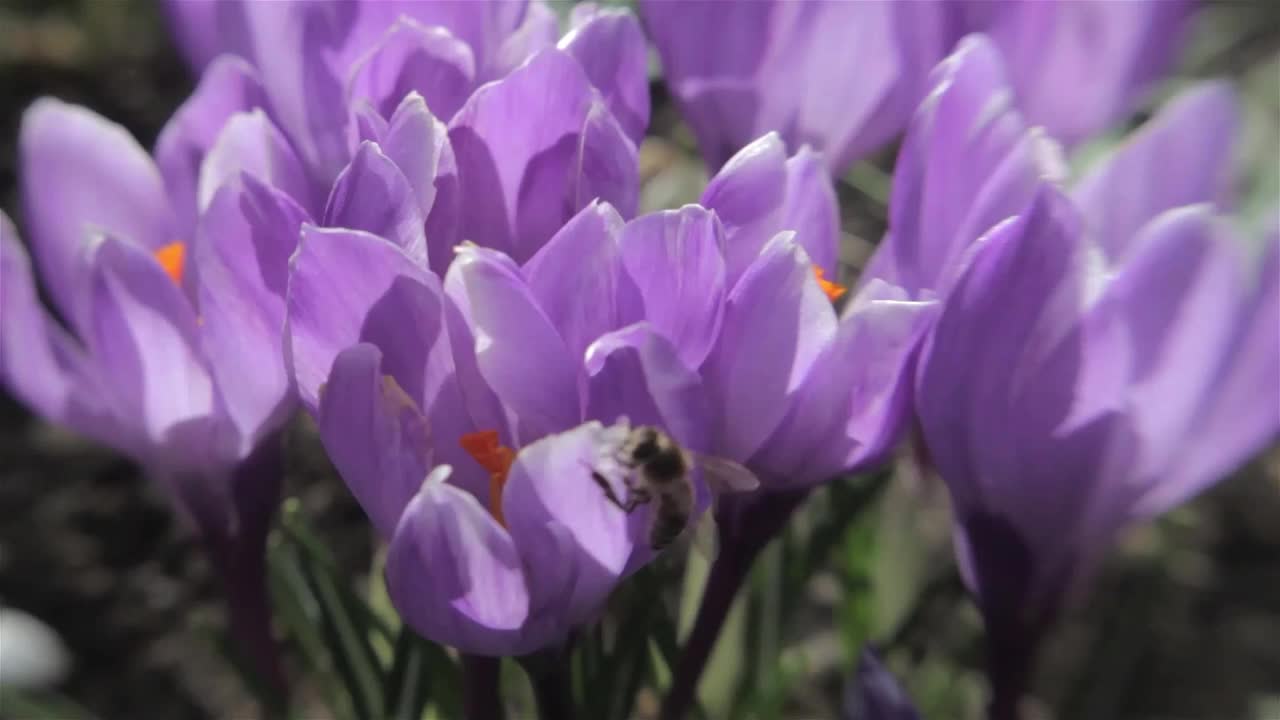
{"x":516,"y":129}
{"x":1102,"y":353}
{"x":169,"y":346}
{"x":739,"y":70}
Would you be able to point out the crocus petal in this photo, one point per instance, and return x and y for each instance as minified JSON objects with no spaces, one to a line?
{"x":518,"y":350}
{"x":371,"y":194}
{"x":761,"y":192}
{"x":611,"y":48}
{"x":337,"y":280}
{"x":302,"y":51}
{"x":1240,"y":415}
{"x":747,"y":195}
{"x":1182,"y":157}
{"x":741,"y":69}
{"x":533,"y":149}
{"x":1180,"y":300}
{"x":810,"y":210}
{"x":227,"y":87}
{"x":348,"y":287}
{"x":997,"y":388}
{"x":1129,"y":46}
{"x":539,"y":29}
{"x":598,"y":296}
{"x":637,"y":373}
{"x":242,"y":251}
{"x":39,"y":362}
{"x":675,"y":258}
{"x":454,"y":573}
{"x":777,"y":321}
{"x":80,"y":171}
{"x":250,"y":143}
{"x":142,"y":332}
{"x":411,"y":57}
{"x":968,"y":162}
{"x":551,"y":482}
{"x":375,"y":435}
{"x":853,"y":405}
{"x":874,"y":693}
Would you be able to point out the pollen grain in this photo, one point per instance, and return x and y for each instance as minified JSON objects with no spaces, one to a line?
{"x":173,"y":258}
{"x":494,"y":457}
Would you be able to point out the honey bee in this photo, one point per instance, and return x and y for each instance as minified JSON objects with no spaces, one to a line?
{"x":659,"y":471}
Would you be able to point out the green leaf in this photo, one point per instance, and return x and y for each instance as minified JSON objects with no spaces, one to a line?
{"x":39,"y":705}
{"x":420,"y":671}
{"x":298,"y":610}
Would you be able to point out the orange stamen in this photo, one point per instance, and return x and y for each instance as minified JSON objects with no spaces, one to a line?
{"x":833,"y":290}
{"x":494,"y":457}
{"x":172,"y":258}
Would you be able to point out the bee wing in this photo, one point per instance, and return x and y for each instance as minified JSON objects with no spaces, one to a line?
{"x":725,"y":475}
{"x":706,"y":536}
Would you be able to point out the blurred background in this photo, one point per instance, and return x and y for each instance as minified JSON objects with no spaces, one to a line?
{"x":1184,"y":623}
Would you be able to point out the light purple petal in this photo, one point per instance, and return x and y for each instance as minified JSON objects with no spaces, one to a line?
{"x":579,"y":280}
{"x":418,"y":144}
{"x":1110,"y":53}
{"x":810,"y":209}
{"x":999,"y":384}
{"x":371,"y":194}
{"x":337,"y":279}
{"x":250,"y":143}
{"x":1240,"y":415}
{"x":1187,"y":309}
{"x":348,"y":287}
{"x":968,"y":162}
{"x":853,"y":405}
{"x":455,"y":575}
{"x":518,"y":350}
{"x":538,"y":30}
{"x":81,"y":174}
{"x":410,"y":57}
{"x":739,"y":70}
{"x":242,"y":252}
{"x":551,"y":482}
{"x":637,"y":373}
{"x":375,"y":434}
{"x":675,"y":258}
{"x":1182,"y":157}
{"x":748,"y":195}
{"x":776,"y":323}
{"x":141,"y":331}
{"x":40,"y":363}
{"x":611,"y":48}
{"x":532,"y":150}
{"x":227,"y":87}
{"x":302,"y":51}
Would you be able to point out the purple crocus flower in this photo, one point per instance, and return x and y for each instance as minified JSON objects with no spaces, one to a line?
{"x":503,"y":386}
{"x":1100,"y":356}
{"x":799,"y":391}
{"x":844,"y":77}
{"x":169,"y":349}
{"x":512,"y":131}
{"x":874,"y":693}
{"x":1079,"y":67}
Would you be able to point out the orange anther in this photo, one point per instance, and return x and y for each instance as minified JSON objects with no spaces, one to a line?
{"x":172,"y":258}
{"x":833,"y":290}
{"x":494,"y":457}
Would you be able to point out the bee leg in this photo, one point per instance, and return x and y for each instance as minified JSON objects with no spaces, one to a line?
{"x":609,"y":494}
{"x":636,"y":496}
